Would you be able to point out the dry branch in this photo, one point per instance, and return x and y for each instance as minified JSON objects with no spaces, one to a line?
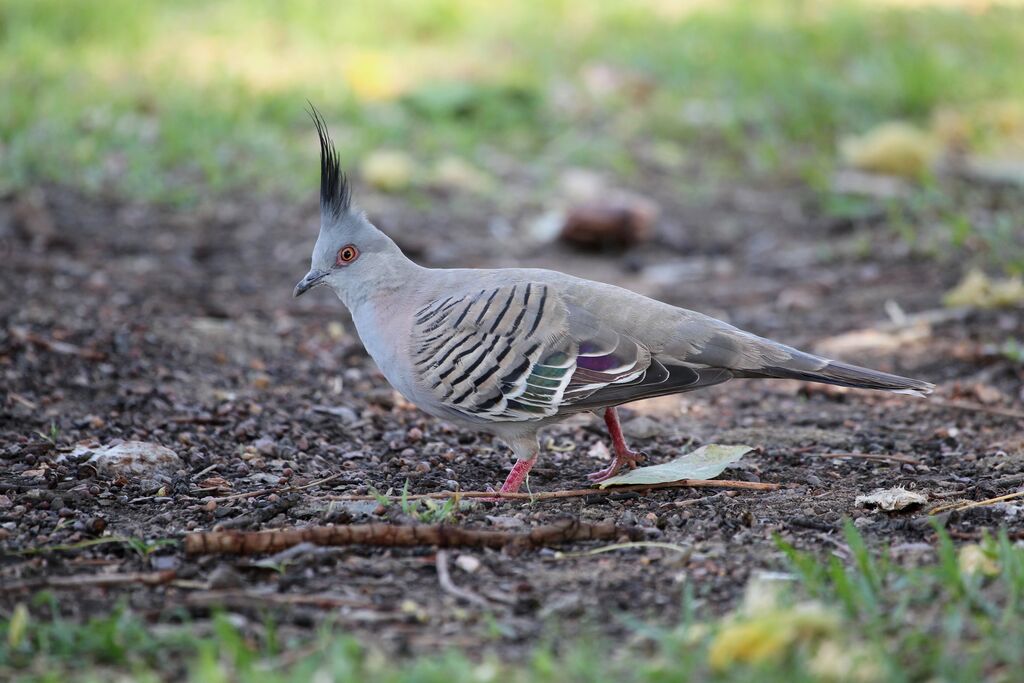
{"x":976,"y":408}
{"x":278,"y":489}
{"x":572,"y":493}
{"x":381,"y":534}
{"x":92,"y":580}
{"x":248,"y":598}
{"x":969,"y":505}
{"x":883,"y":457}
{"x":444,"y":578}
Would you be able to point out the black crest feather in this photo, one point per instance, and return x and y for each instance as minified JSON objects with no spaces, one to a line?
{"x":335,"y":191}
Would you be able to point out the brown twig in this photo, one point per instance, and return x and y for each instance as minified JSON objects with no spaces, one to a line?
{"x":380,"y":534}
{"x":197,"y":420}
{"x":978,"y":535}
{"x":977,"y":407}
{"x":891,"y":457}
{"x":958,"y":507}
{"x":92,"y":580}
{"x":280,"y":489}
{"x":574,"y":493}
{"x":444,"y":578}
{"x":236,"y":598}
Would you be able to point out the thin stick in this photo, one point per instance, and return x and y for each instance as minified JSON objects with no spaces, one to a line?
{"x":574,"y":493}
{"x":449,"y":587}
{"x":977,"y":407}
{"x":392,"y":535}
{"x":279,"y":489}
{"x":92,"y":580}
{"x":205,"y":470}
{"x":958,"y":507}
{"x":235,"y":598}
{"x":894,"y":457}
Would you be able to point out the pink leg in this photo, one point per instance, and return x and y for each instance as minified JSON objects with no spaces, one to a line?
{"x":623,"y":455}
{"x":517,"y":475}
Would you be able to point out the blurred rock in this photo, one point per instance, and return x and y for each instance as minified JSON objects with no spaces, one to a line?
{"x":614,"y":223}
{"x":32,"y":219}
{"x":873,"y":185}
{"x":453,"y":173}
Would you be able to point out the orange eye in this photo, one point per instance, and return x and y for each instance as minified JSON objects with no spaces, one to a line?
{"x":346,"y":255}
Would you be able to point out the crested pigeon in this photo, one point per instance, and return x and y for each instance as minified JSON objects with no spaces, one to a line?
{"x":509,"y":351}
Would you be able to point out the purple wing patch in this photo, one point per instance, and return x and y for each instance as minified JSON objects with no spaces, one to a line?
{"x":599,"y":363}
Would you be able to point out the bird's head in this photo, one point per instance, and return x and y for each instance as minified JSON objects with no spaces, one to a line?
{"x":350,"y":254}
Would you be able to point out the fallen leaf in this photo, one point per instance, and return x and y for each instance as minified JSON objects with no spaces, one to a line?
{"x":892,"y":148}
{"x":706,"y":462}
{"x":973,"y":559}
{"x":373,"y":76}
{"x":770,"y":636}
{"x":128,"y":458}
{"x":978,"y":290}
{"x":891,"y":500}
{"x":18,"y":626}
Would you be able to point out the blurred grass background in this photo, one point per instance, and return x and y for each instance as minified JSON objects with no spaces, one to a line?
{"x":167,"y":101}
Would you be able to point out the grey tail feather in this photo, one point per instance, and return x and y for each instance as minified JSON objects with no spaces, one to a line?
{"x":846,"y":375}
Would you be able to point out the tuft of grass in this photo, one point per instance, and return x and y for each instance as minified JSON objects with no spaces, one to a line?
{"x":868,"y":619}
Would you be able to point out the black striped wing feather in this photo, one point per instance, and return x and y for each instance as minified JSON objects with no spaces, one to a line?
{"x":519,"y":353}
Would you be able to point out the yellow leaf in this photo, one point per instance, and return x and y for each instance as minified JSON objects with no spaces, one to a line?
{"x":974,"y":560}
{"x":18,"y":626}
{"x":769,"y":637}
{"x":979,"y":291}
{"x":388,"y":170}
{"x":893,"y":149}
{"x":373,"y":77}
{"x":760,"y":640}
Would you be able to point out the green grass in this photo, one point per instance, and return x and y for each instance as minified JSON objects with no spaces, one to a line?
{"x":867,"y":619}
{"x":171,"y":101}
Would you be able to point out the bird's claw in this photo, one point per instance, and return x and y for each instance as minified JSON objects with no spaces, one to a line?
{"x":628,"y":459}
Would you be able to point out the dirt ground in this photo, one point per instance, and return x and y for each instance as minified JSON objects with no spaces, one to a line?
{"x":123,"y":321}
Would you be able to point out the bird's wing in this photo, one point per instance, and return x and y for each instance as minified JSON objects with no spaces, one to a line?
{"x":521,"y":352}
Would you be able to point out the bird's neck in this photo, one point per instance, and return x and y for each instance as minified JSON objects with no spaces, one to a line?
{"x":390,"y":283}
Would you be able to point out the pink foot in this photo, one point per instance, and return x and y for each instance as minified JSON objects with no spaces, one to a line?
{"x":624,"y":457}
{"x":517,"y":475}
{"x":628,"y":459}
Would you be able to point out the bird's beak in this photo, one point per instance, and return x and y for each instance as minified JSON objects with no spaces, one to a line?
{"x":312,"y":279}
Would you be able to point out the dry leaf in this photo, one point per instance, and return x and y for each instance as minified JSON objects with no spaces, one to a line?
{"x":979,"y":291}
{"x":704,"y":463}
{"x":769,"y":636}
{"x":893,"y":148}
{"x":973,"y":559}
{"x":891,"y":500}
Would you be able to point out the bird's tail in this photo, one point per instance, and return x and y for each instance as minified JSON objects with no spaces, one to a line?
{"x":846,"y":375}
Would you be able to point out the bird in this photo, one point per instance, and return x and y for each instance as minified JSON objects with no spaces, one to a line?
{"x":510,"y":351}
